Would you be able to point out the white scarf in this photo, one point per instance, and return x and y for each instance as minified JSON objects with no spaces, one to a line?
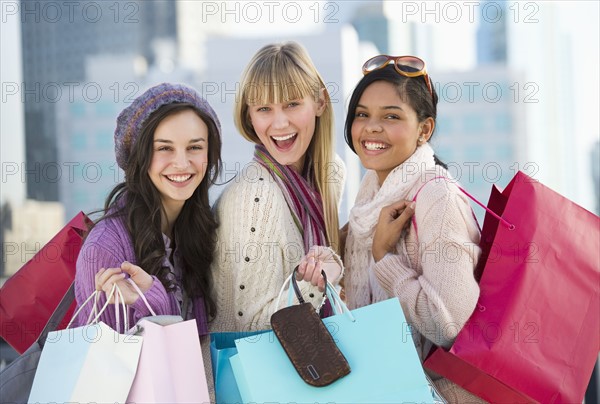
{"x":371,"y":198}
{"x":363,"y":288}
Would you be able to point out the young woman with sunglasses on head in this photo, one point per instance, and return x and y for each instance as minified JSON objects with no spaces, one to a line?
{"x":411,"y":234}
{"x":157,"y":229}
{"x":281,"y":210}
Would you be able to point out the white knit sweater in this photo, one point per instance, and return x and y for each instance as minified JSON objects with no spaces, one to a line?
{"x":258,"y":247}
{"x":431,"y":272}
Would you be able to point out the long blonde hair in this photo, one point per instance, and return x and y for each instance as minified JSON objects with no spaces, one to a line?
{"x":279,"y":73}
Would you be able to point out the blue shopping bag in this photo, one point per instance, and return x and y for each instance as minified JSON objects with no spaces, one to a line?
{"x":75,"y":363}
{"x":222,"y":347}
{"x":375,"y":340}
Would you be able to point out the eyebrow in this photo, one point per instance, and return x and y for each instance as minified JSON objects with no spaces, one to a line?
{"x":170,"y":141}
{"x":384,"y":107}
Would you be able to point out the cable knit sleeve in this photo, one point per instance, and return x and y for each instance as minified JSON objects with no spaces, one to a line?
{"x":439,"y":292}
{"x":105,"y":248}
{"x":258,"y":246}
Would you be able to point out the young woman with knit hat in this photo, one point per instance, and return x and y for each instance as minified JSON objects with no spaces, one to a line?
{"x":281,"y":210}
{"x":411,"y":234}
{"x":157,"y":228}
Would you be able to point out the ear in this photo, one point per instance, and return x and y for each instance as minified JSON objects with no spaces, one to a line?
{"x":321,"y":102}
{"x":427,"y":127}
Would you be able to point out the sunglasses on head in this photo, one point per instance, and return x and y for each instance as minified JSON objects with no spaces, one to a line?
{"x":408,"y":66}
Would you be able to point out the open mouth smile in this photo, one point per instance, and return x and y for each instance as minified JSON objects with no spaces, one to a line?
{"x":179,"y":178}
{"x":284,"y":142}
{"x":374,"y":146}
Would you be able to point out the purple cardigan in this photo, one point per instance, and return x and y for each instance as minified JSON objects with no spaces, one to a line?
{"x":108,"y":245}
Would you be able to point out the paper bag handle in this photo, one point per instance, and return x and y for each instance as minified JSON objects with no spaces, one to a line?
{"x":292,"y":280}
{"x":96,"y":314}
{"x":491,"y":212}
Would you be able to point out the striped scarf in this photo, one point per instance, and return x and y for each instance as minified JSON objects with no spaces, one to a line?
{"x":301,"y":195}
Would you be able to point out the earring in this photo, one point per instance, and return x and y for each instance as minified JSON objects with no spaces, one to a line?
{"x":421,"y":139}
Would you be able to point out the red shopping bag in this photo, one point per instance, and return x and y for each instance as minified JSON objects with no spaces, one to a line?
{"x":535,"y":335}
{"x":29,"y":297}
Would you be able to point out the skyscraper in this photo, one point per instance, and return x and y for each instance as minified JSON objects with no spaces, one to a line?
{"x":57,"y":37}
{"x":492,"y":37}
{"x":480,"y":129}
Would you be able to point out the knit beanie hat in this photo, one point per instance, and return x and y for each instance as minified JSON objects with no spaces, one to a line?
{"x":132,"y":118}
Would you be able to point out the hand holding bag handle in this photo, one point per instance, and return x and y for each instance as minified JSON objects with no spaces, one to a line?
{"x":116,"y":292}
{"x":307,"y":342}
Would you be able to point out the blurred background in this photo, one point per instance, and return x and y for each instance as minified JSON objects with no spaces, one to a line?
{"x":518,"y":83}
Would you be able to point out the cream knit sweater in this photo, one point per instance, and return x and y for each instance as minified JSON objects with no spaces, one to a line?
{"x":431,"y":272}
{"x":258,"y":247}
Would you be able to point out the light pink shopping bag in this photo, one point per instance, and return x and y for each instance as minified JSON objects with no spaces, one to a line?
{"x":171,"y":367}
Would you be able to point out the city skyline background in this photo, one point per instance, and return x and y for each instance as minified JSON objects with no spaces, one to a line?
{"x":518,"y":86}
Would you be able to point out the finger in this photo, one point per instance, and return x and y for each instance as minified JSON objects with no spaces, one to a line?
{"x":405,"y":216}
{"x":316,"y":275}
{"x":108,"y":284}
{"x":321,"y":284}
{"x":115,"y":279}
{"x":301,"y":270}
{"x":310,"y":269}
{"x":97,"y":282}
{"x":391,"y":212}
{"x":398,"y":207}
{"x":106,"y":274}
{"x":130,"y":269}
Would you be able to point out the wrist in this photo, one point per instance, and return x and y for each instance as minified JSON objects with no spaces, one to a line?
{"x":378,"y":254}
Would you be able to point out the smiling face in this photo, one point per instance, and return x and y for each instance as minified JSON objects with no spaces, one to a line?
{"x":179,"y":158}
{"x":386,"y":130}
{"x":286,"y":129}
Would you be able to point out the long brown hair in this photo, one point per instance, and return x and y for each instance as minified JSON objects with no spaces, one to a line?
{"x":138,"y":203}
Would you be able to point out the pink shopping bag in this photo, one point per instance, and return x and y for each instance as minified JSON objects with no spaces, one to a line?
{"x":171,"y":367}
{"x":536,"y":333}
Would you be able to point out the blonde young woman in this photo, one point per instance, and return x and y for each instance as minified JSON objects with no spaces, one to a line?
{"x":281,"y":210}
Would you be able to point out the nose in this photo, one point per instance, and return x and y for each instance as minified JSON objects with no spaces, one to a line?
{"x":181,"y":160}
{"x":280,"y":120}
{"x":373,"y":126}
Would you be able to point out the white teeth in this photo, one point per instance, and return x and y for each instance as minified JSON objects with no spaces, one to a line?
{"x":375,"y":146}
{"x":282,"y":138}
{"x":179,"y":178}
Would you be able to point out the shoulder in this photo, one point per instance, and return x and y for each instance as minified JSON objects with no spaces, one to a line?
{"x":435,"y":184}
{"x":439,"y":196}
{"x":110,"y":234}
{"x":107,"y":245}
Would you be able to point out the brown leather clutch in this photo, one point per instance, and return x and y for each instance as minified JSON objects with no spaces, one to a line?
{"x":308,"y":343}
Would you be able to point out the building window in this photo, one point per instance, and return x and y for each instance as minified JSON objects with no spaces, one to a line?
{"x":105,"y":108}
{"x":78,"y":109}
{"x":473,"y":124}
{"x":104,"y":140}
{"x":503,"y":123}
{"x":504,"y":152}
{"x":79,"y":141}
